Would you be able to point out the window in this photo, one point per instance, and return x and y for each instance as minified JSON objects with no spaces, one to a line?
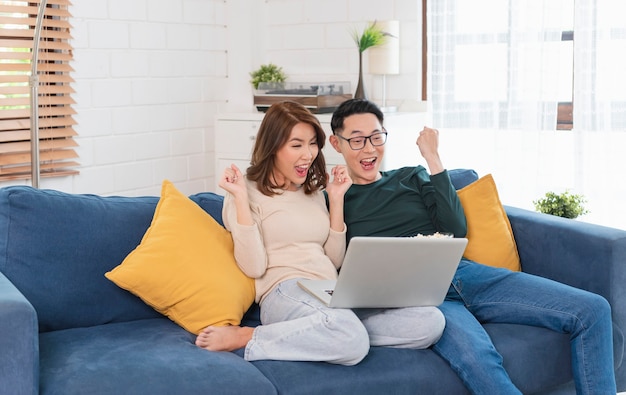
{"x":56,"y":143}
{"x":540,"y":64}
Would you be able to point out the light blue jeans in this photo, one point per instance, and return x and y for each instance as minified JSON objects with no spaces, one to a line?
{"x":298,"y":327}
{"x":483,"y":294}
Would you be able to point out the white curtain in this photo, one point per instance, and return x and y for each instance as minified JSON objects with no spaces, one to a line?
{"x":502,"y":64}
{"x":600,"y":65}
{"x":497,"y":70}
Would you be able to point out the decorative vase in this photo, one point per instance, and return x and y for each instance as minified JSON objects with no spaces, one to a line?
{"x":360,"y":89}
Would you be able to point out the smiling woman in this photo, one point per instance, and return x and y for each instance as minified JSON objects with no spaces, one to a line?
{"x":291,"y":130}
{"x":293,"y":160}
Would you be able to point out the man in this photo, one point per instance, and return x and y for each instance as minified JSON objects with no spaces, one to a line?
{"x":408,"y":201}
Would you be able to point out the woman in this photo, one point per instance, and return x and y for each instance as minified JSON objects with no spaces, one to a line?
{"x":282,"y":232}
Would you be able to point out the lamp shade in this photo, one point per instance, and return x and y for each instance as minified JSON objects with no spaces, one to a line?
{"x":385,"y":59}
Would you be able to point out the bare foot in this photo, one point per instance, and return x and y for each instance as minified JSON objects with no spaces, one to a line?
{"x":224,"y":338}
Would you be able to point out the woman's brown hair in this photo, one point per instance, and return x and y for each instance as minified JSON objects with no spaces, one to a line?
{"x":273,"y":133}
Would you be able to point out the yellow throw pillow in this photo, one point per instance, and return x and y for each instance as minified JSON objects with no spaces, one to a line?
{"x":184,"y":267}
{"x":489,"y":231}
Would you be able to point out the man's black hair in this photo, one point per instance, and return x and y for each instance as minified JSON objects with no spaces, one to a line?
{"x":351,"y":107}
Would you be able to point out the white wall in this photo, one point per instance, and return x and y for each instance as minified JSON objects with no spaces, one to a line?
{"x":151,"y":75}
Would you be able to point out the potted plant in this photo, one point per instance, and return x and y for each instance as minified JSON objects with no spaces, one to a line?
{"x":566,"y":204}
{"x":371,"y":36}
{"x":267,"y":73}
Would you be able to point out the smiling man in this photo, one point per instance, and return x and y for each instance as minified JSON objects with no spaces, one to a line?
{"x":409,"y":201}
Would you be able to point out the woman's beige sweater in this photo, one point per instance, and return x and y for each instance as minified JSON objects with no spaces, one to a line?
{"x":291,"y":238}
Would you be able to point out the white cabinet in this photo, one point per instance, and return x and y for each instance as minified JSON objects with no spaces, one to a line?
{"x":234,"y":140}
{"x":235,"y":134}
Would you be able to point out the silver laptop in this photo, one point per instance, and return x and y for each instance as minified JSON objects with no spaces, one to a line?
{"x":391,"y":272}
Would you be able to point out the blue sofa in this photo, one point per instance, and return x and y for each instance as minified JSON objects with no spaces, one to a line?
{"x":66,"y":329}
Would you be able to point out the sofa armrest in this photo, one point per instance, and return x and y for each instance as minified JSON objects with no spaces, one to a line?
{"x":19,"y":342}
{"x":586,"y":256}
{"x":580,"y":254}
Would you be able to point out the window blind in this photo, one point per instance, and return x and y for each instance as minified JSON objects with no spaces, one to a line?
{"x":56,"y":133}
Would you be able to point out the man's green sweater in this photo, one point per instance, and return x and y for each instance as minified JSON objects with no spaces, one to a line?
{"x":404,"y":202}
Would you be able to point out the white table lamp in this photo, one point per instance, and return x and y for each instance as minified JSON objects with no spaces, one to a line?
{"x":385,"y":59}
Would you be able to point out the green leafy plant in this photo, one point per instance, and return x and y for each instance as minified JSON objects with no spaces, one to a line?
{"x":372,"y":36}
{"x":566,"y":204}
{"x":267,"y":73}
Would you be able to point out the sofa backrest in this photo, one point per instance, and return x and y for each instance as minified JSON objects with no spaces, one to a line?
{"x":55,"y":248}
{"x":461,"y":178}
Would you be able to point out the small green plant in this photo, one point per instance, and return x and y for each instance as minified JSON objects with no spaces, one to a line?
{"x":267,"y":73}
{"x":372,"y":36}
{"x":566,"y":204}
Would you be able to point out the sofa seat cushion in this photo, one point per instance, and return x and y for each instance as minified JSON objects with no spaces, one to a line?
{"x":383,"y":371}
{"x":535,"y":358}
{"x":424,"y":372}
{"x":150,"y":357}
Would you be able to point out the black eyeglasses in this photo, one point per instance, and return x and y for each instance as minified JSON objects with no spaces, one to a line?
{"x":357,"y":143}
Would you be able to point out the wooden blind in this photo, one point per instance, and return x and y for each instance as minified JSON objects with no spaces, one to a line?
{"x":56,"y":134}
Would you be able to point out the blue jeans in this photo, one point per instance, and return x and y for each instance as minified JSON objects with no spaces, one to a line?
{"x":483,"y":294}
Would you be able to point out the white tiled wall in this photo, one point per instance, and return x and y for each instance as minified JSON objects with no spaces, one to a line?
{"x":146,"y":75}
{"x":152,"y":74}
{"x":143,"y":77}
